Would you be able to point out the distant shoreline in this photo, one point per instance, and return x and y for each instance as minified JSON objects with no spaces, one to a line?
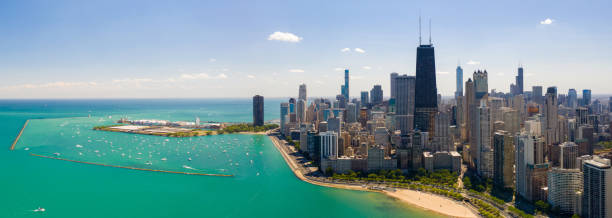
{"x":430,"y":202}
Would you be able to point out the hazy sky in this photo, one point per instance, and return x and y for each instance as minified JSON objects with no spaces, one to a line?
{"x":161,"y":49}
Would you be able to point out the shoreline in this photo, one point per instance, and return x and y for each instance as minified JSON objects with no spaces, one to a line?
{"x":404,"y":195}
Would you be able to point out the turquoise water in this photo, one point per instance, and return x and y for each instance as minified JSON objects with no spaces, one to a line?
{"x":263,"y":185}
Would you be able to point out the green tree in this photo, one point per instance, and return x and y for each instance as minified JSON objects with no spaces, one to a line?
{"x":329,"y":171}
{"x":542,"y":206}
{"x":467,"y":184}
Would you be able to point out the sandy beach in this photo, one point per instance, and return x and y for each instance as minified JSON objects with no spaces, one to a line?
{"x":432,"y":202}
{"x":427,"y":201}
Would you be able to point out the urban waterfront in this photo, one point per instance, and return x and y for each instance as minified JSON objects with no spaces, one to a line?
{"x":265,"y":188}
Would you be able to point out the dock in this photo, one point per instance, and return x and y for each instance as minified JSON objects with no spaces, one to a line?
{"x":132,"y":168}
{"x":19,"y":135}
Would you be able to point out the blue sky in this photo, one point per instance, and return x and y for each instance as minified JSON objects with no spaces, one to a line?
{"x":161,"y":49}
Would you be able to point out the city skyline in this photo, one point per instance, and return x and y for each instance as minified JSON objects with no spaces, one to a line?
{"x":197,"y":50}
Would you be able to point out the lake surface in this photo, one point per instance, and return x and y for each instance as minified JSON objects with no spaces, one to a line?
{"x":262,"y":186}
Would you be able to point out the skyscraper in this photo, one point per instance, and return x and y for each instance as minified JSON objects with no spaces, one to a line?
{"x":345,"y":87}
{"x":572,"y":98}
{"x":302,"y":93}
{"x":376,"y":95}
{"x":284,"y":115}
{"x":563,"y":186}
{"x":404,"y":101}
{"x":365,"y":98}
{"x":586,"y":97}
{"x":537,"y":94}
{"x":484,"y":161}
{"x":393,"y":91}
{"x":597,"y":194}
{"x":459,"y":89}
{"x":568,"y":152}
{"x":551,"y":114}
{"x":329,"y":145}
{"x":519,"y":81}
{"x":426,"y":92}
{"x":258,"y":110}
{"x":503,"y":175}
{"x":481,"y":83}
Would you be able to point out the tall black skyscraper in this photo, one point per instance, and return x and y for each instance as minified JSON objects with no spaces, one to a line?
{"x":519,"y":81}
{"x":258,"y":110}
{"x":426,"y":93}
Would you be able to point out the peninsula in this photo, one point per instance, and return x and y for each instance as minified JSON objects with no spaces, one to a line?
{"x":182,"y":129}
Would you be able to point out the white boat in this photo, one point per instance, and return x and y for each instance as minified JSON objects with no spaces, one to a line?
{"x":164,"y":159}
{"x":39,"y":209}
{"x":189,"y":159}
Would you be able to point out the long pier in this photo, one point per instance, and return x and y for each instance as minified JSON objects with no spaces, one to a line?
{"x":19,"y":135}
{"x":131,"y":168}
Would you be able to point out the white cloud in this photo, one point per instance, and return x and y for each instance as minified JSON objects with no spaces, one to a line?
{"x":131,"y":80}
{"x":195,"y":76}
{"x":338,"y":69}
{"x":359,"y":50}
{"x":345,"y":50}
{"x":59,"y":84}
{"x":547,"y":21}
{"x":296,"y":70}
{"x":212,"y":60}
{"x":284,"y":36}
{"x":354,"y":77}
{"x":442,"y":72}
{"x":471,"y":62}
{"x":367,"y":67}
{"x":221,"y":76}
{"x":251,"y":76}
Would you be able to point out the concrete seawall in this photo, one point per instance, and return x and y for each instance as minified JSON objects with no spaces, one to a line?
{"x":19,"y":135}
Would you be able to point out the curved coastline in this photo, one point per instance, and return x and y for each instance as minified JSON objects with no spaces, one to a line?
{"x":452,"y":209}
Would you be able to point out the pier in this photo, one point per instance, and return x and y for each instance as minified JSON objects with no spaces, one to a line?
{"x":19,"y":135}
{"x":131,"y":168}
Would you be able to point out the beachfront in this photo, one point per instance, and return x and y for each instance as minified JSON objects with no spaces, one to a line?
{"x":427,"y":201}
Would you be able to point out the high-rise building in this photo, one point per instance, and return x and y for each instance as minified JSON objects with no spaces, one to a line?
{"x":426,"y":92}
{"x":284,"y":115}
{"x":441,"y":139}
{"x":376,"y":95}
{"x":572,"y":98}
{"x":481,"y":83}
{"x":582,"y":116}
{"x":393,"y":91}
{"x":551,"y":114}
{"x":329,"y":145}
{"x":519,"y":81}
{"x":351,"y":113}
{"x":404,"y":102}
{"x":597,"y":191}
{"x":302,"y":93}
{"x":524,"y":155}
{"x":537,"y":94}
{"x":536,"y":182}
{"x":568,"y":152}
{"x":503,"y":174}
{"x":345,"y":87}
{"x":586,"y":97}
{"x":300,"y":110}
{"x":563,"y":188}
{"x":459,"y":89}
{"x":258,"y":110}
{"x":484,"y":161}
{"x":365,"y":98}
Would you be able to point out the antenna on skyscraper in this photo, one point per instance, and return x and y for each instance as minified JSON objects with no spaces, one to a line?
{"x":429,"y":31}
{"x":420,"y":29}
